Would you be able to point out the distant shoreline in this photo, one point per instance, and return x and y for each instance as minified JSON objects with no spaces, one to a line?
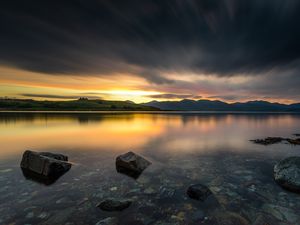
{"x":184,"y":106}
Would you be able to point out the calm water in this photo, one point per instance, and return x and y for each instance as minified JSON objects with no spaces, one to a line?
{"x":212,"y":149}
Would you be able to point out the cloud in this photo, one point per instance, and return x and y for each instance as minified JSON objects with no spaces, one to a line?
{"x":226,"y":97}
{"x":224,"y":37}
{"x":47,"y":96}
{"x":174,"y":96}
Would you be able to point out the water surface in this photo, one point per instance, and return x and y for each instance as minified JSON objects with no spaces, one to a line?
{"x":212,"y":149}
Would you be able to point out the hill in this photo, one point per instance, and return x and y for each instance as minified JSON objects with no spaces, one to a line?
{"x":207,"y":105}
{"x":74,"y":105}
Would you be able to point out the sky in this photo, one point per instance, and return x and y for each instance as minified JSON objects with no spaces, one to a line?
{"x":228,"y":50}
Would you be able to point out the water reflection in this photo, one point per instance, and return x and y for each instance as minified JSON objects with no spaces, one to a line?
{"x":122,"y":132}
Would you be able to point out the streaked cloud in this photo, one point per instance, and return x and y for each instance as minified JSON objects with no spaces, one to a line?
{"x":174,"y":96}
{"x":67,"y":97}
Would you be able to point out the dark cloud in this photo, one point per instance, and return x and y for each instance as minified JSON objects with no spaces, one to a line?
{"x":227,"y":97}
{"x":174,"y":96}
{"x":57,"y":96}
{"x":105,"y":36}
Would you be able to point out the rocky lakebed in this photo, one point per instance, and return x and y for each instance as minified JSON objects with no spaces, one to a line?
{"x":232,"y":191}
{"x":130,"y":189}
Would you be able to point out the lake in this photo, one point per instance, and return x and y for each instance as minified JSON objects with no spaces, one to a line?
{"x":185,"y":148}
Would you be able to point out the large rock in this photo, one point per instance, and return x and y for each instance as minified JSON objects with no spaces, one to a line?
{"x":131,"y":164}
{"x":112,"y":204}
{"x":287,"y":173}
{"x":44,"y":166}
{"x":198,"y":192}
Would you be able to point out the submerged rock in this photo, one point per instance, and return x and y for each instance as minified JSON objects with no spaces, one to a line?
{"x":294,"y":141}
{"x":280,"y":213}
{"x":287,"y":173}
{"x":226,"y":218}
{"x":198,"y":192}
{"x":44,"y":167}
{"x":131,"y":164}
{"x":268,"y":140}
{"x":198,"y":216}
{"x":114,"y":204}
{"x":108,"y":221}
{"x":265,"y":218}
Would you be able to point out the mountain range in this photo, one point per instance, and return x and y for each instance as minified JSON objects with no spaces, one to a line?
{"x":207,"y":105}
{"x":84,"y":104}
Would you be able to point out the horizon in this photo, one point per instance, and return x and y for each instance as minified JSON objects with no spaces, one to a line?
{"x":224,"y":50}
{"x":154,"y":100}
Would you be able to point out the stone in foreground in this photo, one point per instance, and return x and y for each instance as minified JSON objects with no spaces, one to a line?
{"x":287,"y":173}
{"x":114,"y":204}
{"x":198,"y":192}
{"x":131,"y":164}
{"x":44,"y":167}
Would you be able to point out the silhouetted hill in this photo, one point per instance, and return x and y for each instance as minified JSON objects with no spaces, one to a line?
{"x":207,"y":105}
{"x":74,"y":105}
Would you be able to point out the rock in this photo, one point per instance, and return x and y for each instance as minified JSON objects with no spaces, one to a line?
{"x":149,"y":191}
{"x":280,"y":213}
{"x":198,"y":216}
{"x":108,"y":221}
{"x":275,"y":140}
{"x":114,"y":204}
{"x":44,"y":166}
{"x":226,"y":218}
{"x":131,"y":164}
{"x":287,"y":173}
{"x":198,"y":192}
{"x":297,"y":135}
{"x":294,"y":141}
{"x":265,"y":219}
{"x":268,"y":140}
{"x":55,"y":156}
{"x":62,"y":216}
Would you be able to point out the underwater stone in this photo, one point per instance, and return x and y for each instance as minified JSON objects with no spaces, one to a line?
{"x":198,"y":216}
{"x":198,"y":192}
{"x":114,"y":204}
{"x":108,"y":221}
{"x":131,"y":164}
{"x":226,"y":218}
{"x":287,"y":173}
{"x":268,"y":219}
